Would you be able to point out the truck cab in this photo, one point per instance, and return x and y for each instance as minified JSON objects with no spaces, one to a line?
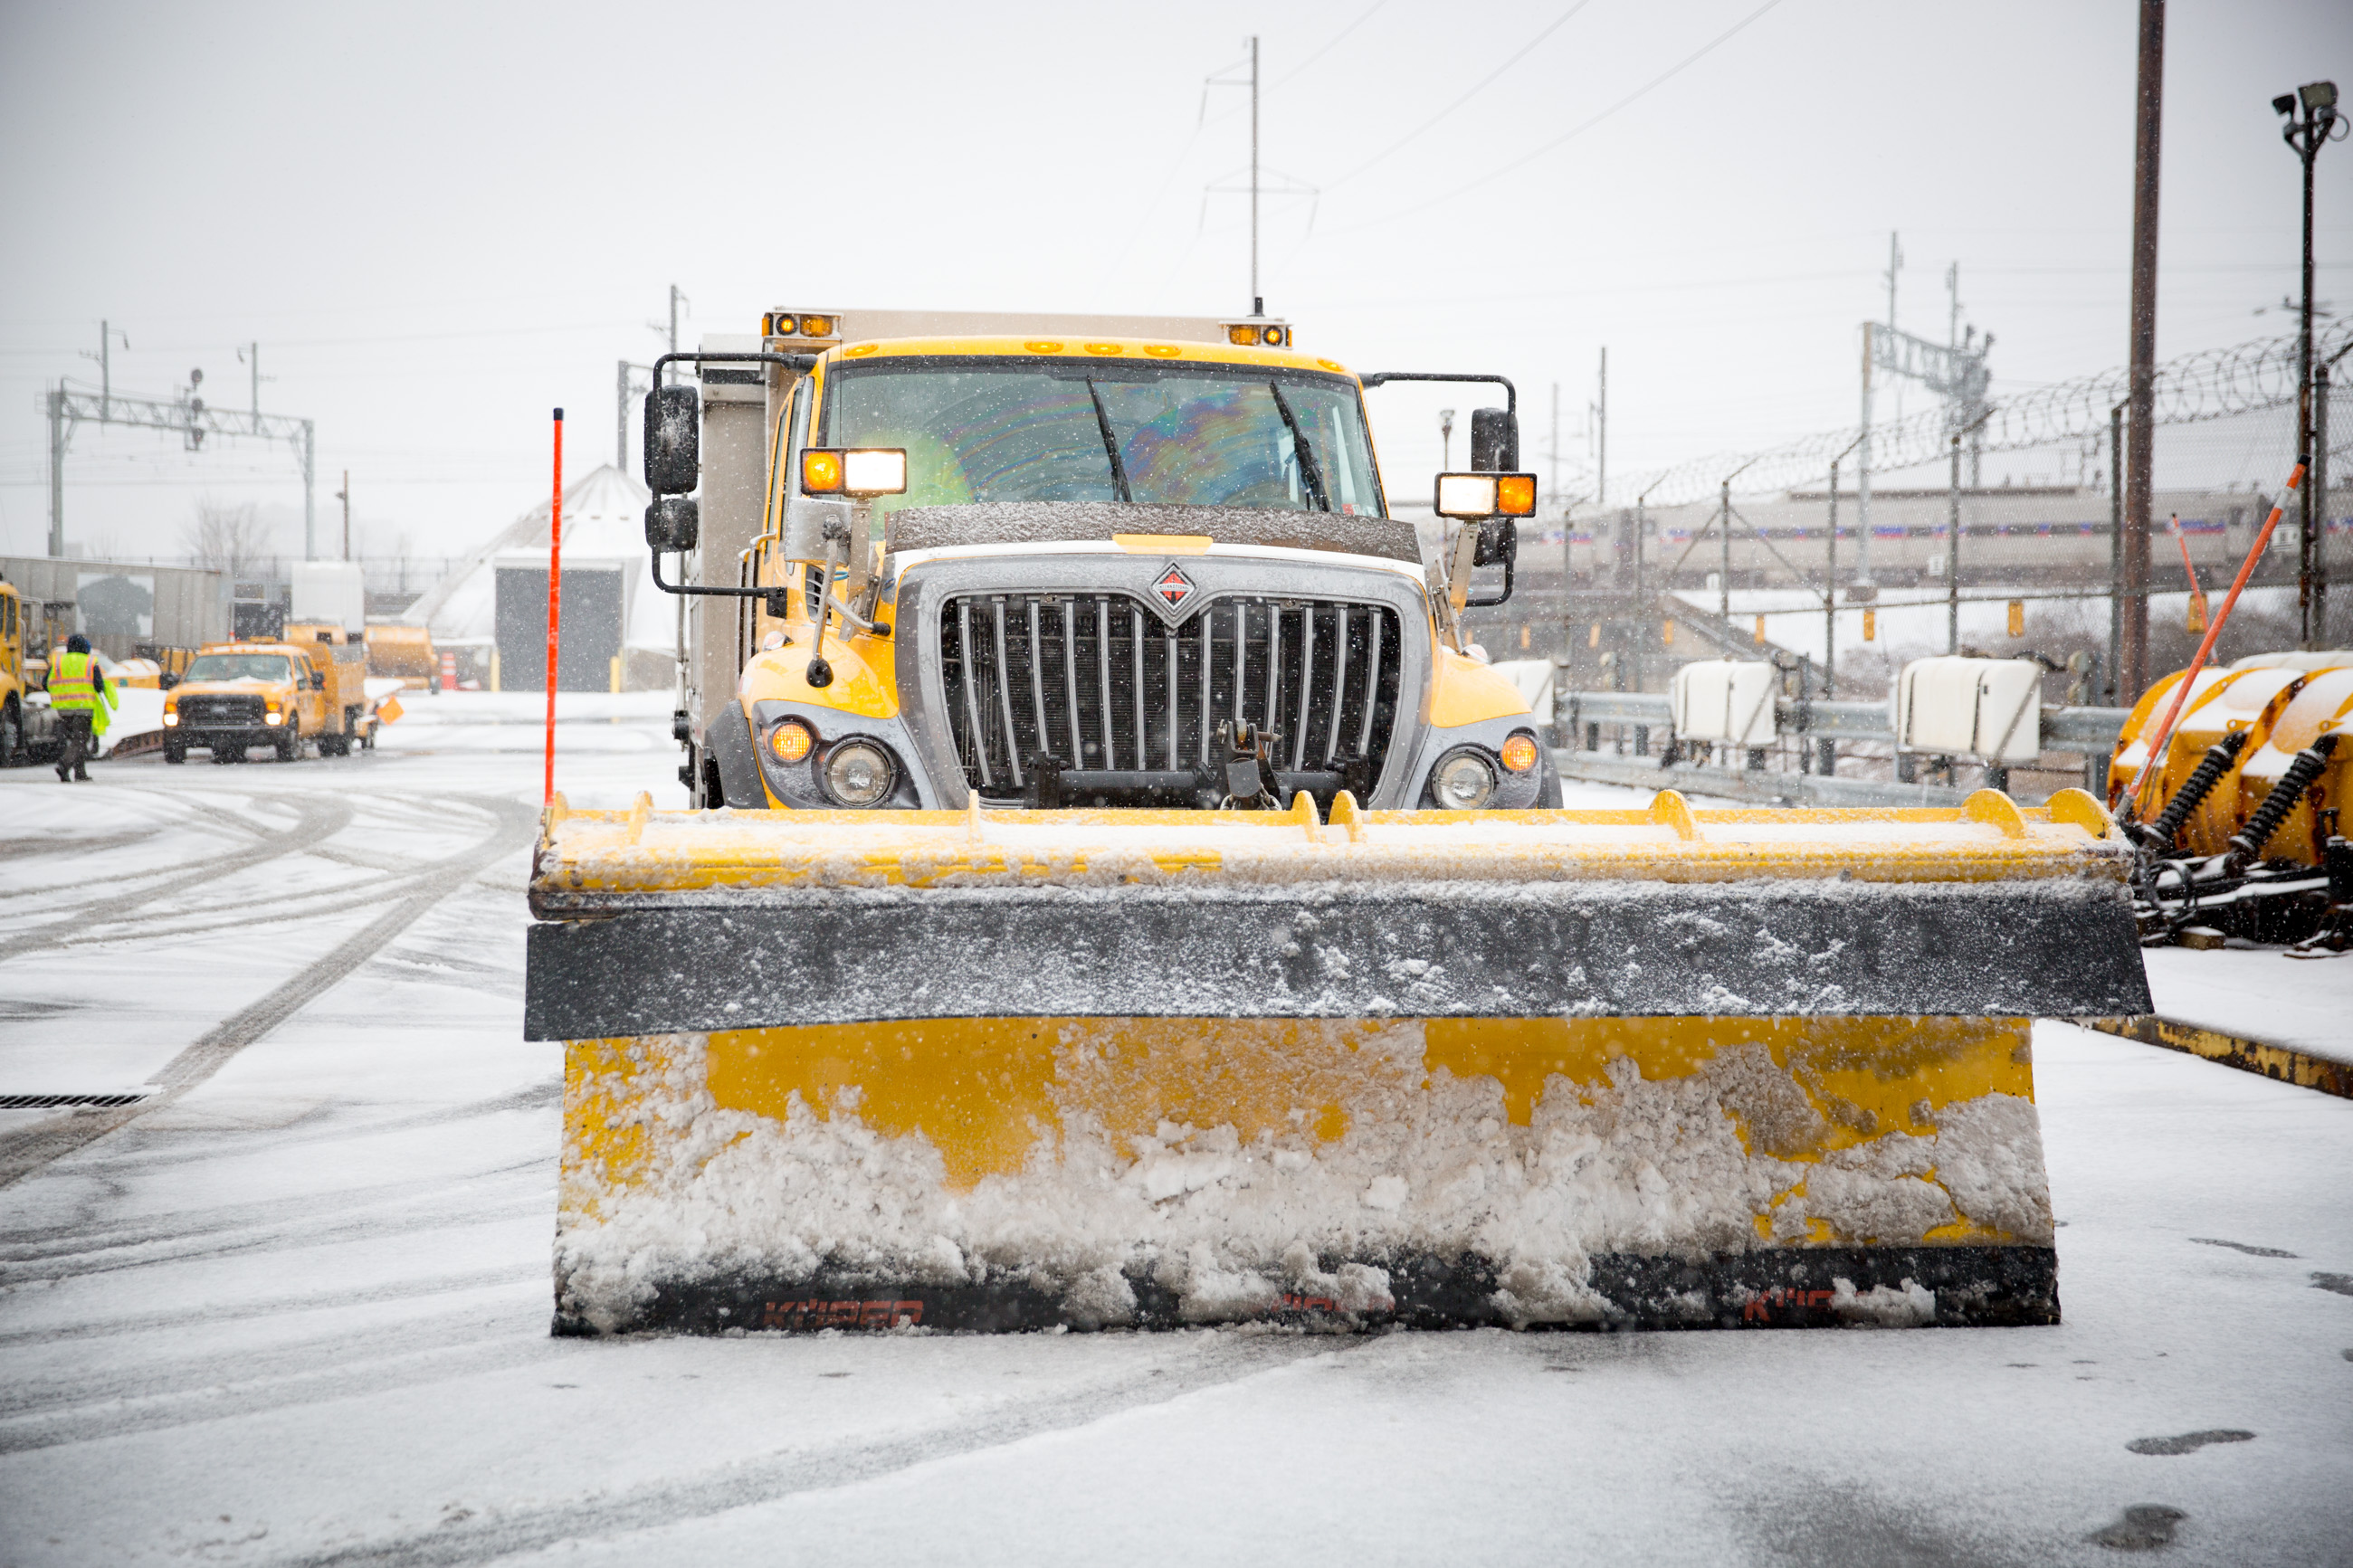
{"x":1089,"y":562}
{"x":236,"y":695}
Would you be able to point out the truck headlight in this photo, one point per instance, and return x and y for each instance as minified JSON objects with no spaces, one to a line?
{"x":273,"y":718}
{"x":1464,"y":782}
{"x":171,"y":717}
{"x":860,"y":773}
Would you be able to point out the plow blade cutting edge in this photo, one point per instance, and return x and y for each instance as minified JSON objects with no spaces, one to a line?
{"x":1097,"y":1068}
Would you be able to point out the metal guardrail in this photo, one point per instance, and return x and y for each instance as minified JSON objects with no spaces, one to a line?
{"x":2063,"y":728}
{"x":1757,"y":788}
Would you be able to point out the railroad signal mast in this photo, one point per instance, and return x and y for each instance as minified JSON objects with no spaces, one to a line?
{"x":186,"y":413}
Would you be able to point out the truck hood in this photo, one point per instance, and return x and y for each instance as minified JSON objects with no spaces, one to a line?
{"x":1047,"y":523}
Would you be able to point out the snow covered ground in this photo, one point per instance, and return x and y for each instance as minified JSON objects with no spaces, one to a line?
{"x":298,"y":1314}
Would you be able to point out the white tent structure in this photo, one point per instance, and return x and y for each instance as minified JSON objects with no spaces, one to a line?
{"x":620,"y":631}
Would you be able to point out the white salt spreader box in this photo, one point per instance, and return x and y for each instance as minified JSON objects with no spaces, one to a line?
{"x":1725,"y":701}
{"x":1989,"y":709}
{"x":327,"y":593}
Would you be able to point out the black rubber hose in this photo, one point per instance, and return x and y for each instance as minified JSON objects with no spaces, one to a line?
{"x":2247,"y":844}
{"x":2159,"y":834}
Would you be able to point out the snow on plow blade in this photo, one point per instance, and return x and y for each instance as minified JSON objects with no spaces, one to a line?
{"x":1016,"y":1070}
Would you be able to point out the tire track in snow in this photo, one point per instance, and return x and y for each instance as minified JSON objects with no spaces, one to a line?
{"x":316,"y":819}
{"x":1235,"y":1359}
{"x":23,"y":1152}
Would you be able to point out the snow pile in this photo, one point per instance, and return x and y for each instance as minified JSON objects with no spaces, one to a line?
{"x":1375,"y":1158}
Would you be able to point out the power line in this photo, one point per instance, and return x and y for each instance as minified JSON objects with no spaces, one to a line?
{"x":1655,"y":82}
{"x":1522,"y":53}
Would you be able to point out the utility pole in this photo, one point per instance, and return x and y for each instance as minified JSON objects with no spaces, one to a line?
{"x":58,"y":437}
{"x":2318,"y":482}
{"x":106,"y":333}
{"x":1953,"y":553}
{"x":2319,"y":99}
{"x":1863,"y":589}
{"x":2141,"y":402}
{"x":677,"y":298}
{"x":252,"y":356}
{"x":1552,"y":456}
{"x":1830,"y":603}
{"x":344,"y":496}
{"x":623,"y":388}
{"x":1601,"y":448}
{"x":2115,"y":548}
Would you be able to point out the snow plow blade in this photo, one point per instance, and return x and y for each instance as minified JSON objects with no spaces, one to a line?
{"x":993,"y":1071}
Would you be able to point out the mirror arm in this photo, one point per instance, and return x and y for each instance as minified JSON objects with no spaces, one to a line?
{"x":777,"y":598}
{"x":1380,"y":378}
{"x":803,"y":363}
{"x":1506,"y":594}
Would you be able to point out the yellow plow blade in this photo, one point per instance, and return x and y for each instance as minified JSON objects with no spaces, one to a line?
{"x":995,"y":1071}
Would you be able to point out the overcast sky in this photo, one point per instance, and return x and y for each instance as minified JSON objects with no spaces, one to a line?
{"x":438,"y":221}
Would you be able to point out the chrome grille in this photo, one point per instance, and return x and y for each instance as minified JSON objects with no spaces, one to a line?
{"x":1103,"y":685}
{"x":225,"y":710}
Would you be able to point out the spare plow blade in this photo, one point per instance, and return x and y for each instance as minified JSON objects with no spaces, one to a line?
{"x":1015,"y":1069}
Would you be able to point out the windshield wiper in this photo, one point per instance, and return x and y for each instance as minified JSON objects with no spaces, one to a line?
{"x":1111,"y":443}
{"x":1309,"y":474}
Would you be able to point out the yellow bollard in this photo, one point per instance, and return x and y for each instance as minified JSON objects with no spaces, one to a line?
{"x":616,"y":669}
{"x":1760,"y":628}
{"x":1871,"y":625}
{"x":2018,"y":618}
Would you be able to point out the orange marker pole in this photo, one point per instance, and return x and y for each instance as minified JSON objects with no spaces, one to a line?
{"x":2181,"y":692}
{"x":554,"y":604}
{"x":2183,"y":539}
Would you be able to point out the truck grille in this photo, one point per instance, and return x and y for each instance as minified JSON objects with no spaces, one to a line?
{"x":200,"y":713}
{"x":1103,"y":685}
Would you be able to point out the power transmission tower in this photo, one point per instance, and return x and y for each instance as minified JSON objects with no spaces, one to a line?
{"x":1257,"y":185}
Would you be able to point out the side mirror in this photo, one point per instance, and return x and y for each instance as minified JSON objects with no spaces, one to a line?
{"x":166,"y":681}
{"x":318,"y":680}
{"x":673,"y":522}
{"x":1499,"y":542}
{"x":673,"y":439}
{"x":1494,"y":440}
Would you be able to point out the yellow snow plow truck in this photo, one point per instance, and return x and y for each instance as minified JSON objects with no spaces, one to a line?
{"x":1117,"y":898}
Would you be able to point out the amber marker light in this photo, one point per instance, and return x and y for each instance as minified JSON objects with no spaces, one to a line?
{"x":790,"y":740}
{"x":821,"y":471}
{"x":1519,"y":753}
{"x":817,"y":326}
{"x":1515,"y":494}
{"x":1242,"y":337}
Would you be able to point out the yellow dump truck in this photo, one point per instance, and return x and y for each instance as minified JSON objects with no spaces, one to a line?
{"x":1116,"y":895}
{"x":307,"y":686}
{"x":26,"y":725}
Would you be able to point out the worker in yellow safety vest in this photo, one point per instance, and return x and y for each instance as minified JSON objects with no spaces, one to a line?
{"x":80,"y":698}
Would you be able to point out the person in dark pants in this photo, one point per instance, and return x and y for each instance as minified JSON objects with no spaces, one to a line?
{"x":79,"y":696}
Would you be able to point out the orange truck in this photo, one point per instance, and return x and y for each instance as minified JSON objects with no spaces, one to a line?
{"x":308,"y":684}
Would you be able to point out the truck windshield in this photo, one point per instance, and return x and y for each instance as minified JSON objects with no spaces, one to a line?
{"x":1189,"y":435}
{"x":236,"y":666}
